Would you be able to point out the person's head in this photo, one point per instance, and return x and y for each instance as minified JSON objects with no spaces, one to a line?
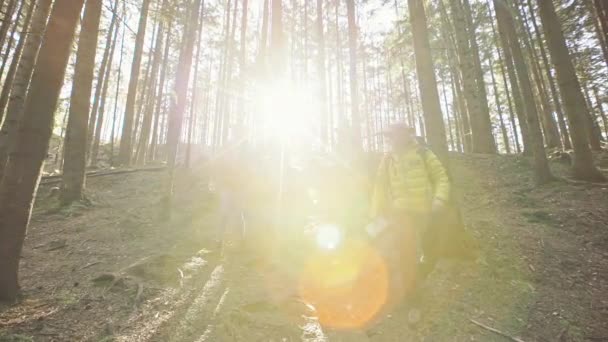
{"x":400,"y":136}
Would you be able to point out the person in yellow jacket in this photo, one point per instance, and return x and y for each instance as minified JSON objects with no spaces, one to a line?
{"x":411,"y":185}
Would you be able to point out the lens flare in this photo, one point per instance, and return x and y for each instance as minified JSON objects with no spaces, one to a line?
{"x":348,"y":288}
{"x":328,"y":236}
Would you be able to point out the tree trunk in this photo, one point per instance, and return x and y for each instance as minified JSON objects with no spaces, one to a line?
{"x":354,"y":88}
{"x":599,"y":14}
{"x":556,"y":101}
{"x":485,"y":141}
{"x":427,"y":83}
{"x":20,"y":181}
{"x":482,"y":139}
{"x":194,"y":101}
{"x":11,"y":40}
{"x":118,"y":79}
{"x":7,"y":21}
{"x":506,"y":24}
{"x":14,"y":111}
{"x":176,"y":112}
{"x":503,"y":128}
{"x":160,"y":97}
{"x":126,"y":148}
{"x":600,"y":109}
{"x":549,"y":125}
{"x":149,"y":97}
{"x":10,"y":76}
{"x":80,"y":102}
{"x":103,"y":98}
{"x":101,"y":78}
{"x":572,"y":96}
{"x":515,"y":91}
{"x":323,"y":112}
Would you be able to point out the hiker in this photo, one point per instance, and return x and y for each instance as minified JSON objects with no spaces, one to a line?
{"x":411,"y":186}
{"x":230,"y":172}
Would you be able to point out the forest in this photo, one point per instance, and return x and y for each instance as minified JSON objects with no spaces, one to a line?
{"x":203,"y":170}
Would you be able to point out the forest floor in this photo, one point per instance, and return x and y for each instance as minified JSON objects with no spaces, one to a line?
{"x":112,"y":272}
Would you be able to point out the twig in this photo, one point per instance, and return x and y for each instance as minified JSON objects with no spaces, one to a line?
{"x":140,"y":290}
{"x":584,"y":183}
{"x":90,"y":265}
{"x":496,"y":331}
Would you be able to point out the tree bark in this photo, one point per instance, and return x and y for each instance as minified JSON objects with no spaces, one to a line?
{"x":570,"y":89}
{"x":550,"y":79}
{"x":503,"y":128}
{"x":101,"y":78}
{"x":520,"y":110}
{"x":176,"y":111}
{"x":435,"y":128}
{"x":354,"y":88}
{"x":159,"y":97}
{"x":126,"y":148}
{"x":482,"y":138}
{"x":103,"y":98}
{"x":150,"y":98}
{"x":22,"y":174}
{"x":506,"y":24}
{"x":323,"y":112}
{"x":74,"y":157}
{"x":14,"y":111}
{"x":549,"y":125}
{"x":10,"y":75}
{"x":8,"y":20}
{"x":11,"y":40}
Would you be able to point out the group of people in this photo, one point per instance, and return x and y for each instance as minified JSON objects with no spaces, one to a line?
{"x":403,"y":202}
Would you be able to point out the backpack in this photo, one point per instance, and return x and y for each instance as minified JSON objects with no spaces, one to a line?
{"x":446,"y":235}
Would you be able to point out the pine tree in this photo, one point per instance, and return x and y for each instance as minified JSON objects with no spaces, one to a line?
{"x":22,"y":172}
{"x":74,"y":162}
{"x":570,"y":89}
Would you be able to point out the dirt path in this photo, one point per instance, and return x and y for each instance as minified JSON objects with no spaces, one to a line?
{"x":542,"y":275}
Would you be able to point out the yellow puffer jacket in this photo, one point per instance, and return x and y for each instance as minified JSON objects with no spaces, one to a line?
{"x":409,"y":181}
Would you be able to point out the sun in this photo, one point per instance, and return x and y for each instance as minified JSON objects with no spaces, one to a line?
{"x":288,"y":113}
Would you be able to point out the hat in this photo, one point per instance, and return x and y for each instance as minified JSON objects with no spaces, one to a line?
{"x":398,"y":129}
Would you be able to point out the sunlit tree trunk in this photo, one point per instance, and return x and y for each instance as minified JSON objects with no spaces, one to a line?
{"x":96,"y":136}
{"x":354,"y":88}
{"x":102,"y":80}
{"x":10,"y":75}
{"x":551,"y":81}
{"x":116,"y":93}
{"x":482,"y":138}
{"x":435,"y":129}
{"x":600,"y":109}
{"x":22,"y":173}
{"x":503,"y":128}
{"x":6,"y":23}
{"x":126,"y":148}
{"x":72,"y":185}
{"x":9,"y":48}
{"x":150,"y":97}
{"x":323,"y":113}
{"x":159,"y":97}
{"x":570,"y":89}
{"x":176,"y":111}
{"x":600,"y":18}
{"x":485,"y":141}
{"x":506,"y":25}
{"x":194,"y":102}
{"x":520,"y":109}
{"x":549,"y":125}
{"x":20,"y":84}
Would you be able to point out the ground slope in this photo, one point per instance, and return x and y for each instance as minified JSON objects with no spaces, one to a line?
{"x":542,"y":271}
